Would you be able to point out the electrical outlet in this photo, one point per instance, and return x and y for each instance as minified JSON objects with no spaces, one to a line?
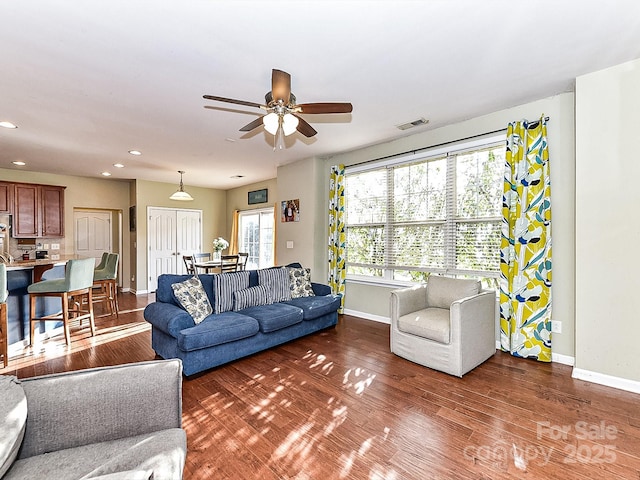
{"x":556,"y":326}
{"x":55,"y":257}
{"x":46,"y":246}
{"x":55,"y":246}
{"x":133,"y":278}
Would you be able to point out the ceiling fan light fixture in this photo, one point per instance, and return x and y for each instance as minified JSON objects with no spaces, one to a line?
{"x":289,"y":124}
{"x":271,"y":122}
{"x":180,"y":194}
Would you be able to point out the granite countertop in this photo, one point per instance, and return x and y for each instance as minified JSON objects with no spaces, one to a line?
{"x":25,"y":264}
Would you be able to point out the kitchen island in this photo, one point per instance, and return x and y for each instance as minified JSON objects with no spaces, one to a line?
{"x":21,"y":274}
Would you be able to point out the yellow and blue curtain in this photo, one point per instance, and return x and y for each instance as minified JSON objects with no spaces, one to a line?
{"x":337,"y":238}
{"x":525,"y":250}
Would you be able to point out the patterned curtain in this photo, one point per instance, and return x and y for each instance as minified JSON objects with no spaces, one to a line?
{"x":337,"y":239}
{"x":525,"y":250}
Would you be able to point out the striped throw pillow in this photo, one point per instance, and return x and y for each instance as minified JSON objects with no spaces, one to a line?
{"x":277,"y":281}
{"x":224,"y":284}
{"x":251,"y":297}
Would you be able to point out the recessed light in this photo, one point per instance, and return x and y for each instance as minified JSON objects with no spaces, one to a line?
{"x":236,"y":176}
{"x":7,"y":125}
{"x":135,"y":152}
{"x":20,"y":163}
{"x":105,"y":174}
{"x":118,"y":165}
{"x":229,"y":139}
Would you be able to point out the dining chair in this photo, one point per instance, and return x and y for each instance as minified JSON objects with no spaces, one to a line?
{"x":188,"y":264}
{"x":229,"y":263}
{"x":77,"y":282}
{"x":204,"y":257}
{"x":242,"y":260}
{"x":4,"y":328}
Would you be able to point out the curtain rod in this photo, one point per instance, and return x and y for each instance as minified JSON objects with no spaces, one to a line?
{"x":472,"y":137}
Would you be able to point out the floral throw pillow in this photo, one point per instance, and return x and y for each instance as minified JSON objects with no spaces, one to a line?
{"x":193,"y":298}
{"x":300,"y":282}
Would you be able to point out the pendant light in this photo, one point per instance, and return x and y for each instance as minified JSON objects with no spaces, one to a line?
{"x":180,"y":194}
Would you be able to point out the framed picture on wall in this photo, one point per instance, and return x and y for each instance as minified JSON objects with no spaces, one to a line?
{"x":132,"y":218}
{"x":258,"y":196}
{"x":290,"y":211}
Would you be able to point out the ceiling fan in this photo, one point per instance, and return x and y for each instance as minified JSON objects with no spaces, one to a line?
{"x":282,"y":117}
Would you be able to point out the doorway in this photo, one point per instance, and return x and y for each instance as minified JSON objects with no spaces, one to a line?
{"x":96,"y":232}
{"x":172,"y":233}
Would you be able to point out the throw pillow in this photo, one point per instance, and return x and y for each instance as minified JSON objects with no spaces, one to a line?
{"x":251,"y":297}
{"x":224,"y":284}
{"x":193,"y":298}
{"x":300,"y":279}
{"x":277,"y":281}
{"x":13,"y":420}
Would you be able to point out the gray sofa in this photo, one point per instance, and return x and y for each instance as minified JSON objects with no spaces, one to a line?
{"x":121,"y":422}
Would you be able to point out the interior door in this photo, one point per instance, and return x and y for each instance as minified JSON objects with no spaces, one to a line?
{"x":93,"y":232}
{"x":170,"y":233}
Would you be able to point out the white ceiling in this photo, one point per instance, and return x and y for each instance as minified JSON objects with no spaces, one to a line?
{"x":88,"y":80}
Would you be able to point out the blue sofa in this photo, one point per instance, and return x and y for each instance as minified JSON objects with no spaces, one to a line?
{"x":227,"y":336}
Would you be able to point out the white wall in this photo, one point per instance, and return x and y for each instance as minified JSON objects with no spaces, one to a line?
{"x":607,"y":226}
{"x":373,"y":301}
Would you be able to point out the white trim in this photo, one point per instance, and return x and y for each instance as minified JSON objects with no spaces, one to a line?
{"x":368,"y":316}
{"x":563,"y":359}
{"x":607,"y":380}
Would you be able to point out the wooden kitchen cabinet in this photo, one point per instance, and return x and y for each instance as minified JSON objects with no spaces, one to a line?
{"x":38,"y":211}
{"x":6,"y":197}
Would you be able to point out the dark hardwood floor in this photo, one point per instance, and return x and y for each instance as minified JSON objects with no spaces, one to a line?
{"x":338,"y":404}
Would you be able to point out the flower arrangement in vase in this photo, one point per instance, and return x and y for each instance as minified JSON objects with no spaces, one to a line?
{"x":219,"y":244}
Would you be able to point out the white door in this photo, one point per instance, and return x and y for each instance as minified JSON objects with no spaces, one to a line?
{"x":171,"y":233}
{"x":93,"y":233}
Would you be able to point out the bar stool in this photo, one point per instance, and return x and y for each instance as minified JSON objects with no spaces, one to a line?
{"x":106,"y":280}
{"x":4,"y":327}
{"x":77,"y":281}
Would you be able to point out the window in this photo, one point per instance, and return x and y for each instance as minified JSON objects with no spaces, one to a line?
{"x":255,"y":236}
{"x":433,"y":212}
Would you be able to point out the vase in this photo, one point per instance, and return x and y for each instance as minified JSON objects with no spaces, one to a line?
{"x":217,"y":256}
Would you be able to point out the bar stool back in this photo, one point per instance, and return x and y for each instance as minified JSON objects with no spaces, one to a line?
{"x":106,"y":280}
{"x":4,"y":328}
{"x":77,"y":282}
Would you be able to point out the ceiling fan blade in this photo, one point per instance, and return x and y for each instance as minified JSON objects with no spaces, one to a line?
{"x":326,"y":107}
{"x":280,"y":86}
{"x":250,"y":126}
{"x":304,"y":127}
{"x":231,"y":100}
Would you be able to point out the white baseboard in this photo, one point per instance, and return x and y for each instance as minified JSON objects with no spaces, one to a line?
{"x":563,"y":359}
{"x":368,"y":316}
{"x":139,"y":292}
{"x":606,"y":380}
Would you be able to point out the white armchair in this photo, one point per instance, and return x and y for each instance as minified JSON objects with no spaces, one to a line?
{"x":447,"y":324}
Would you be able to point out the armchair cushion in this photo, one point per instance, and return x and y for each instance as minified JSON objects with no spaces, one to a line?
{"x":431,"y":323}
{"x":13,"y":418}
{"x":443,"y":291}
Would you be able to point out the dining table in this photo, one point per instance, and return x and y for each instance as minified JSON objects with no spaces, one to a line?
{"x":212,"y":266}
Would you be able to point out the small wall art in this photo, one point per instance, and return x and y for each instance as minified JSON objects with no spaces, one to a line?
{"x":258,"y":196}
{"x":290,"y":210}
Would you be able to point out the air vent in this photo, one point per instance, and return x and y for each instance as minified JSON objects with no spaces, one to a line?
{"x":415,"y":123}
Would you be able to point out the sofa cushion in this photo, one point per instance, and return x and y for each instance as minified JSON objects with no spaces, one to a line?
{"x":216,"y":330}
{"x":300,"y":279}
{"x":277,"y":281}
{"x":13,"y":418}
{"x":155,"y":451}
{"x":251,"y":297}
{"x":316,"y":306}
{"x":443,"y":291}
{"x":275,"y":316}
{"x":224,"y":284}
{"x":193,"y":298}
{"x":164,"y":292}
{"x":431,"y":323}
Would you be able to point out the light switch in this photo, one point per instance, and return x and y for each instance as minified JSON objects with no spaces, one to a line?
{"x":289,"y":243}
